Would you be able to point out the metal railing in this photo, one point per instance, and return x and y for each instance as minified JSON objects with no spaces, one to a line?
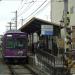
{"x":50,"y":59}
{"x":47,"y":64}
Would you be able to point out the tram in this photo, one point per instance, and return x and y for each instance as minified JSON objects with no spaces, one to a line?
{"x":14,"y":45}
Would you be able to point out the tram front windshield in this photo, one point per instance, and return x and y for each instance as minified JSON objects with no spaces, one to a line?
{"x":16,"y":43}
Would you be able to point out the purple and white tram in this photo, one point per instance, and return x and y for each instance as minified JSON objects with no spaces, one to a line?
{"x":15,"y":46}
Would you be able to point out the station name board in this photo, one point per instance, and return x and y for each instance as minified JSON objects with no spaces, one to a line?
{"x":46,"y":30}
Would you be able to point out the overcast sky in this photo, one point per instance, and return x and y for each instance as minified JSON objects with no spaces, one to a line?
{"x":26,"y":10}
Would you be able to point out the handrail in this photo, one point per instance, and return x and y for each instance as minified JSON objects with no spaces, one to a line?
{"x":46,"y":62}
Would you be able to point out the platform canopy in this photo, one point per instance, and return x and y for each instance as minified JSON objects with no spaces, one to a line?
{"x":34,"y":25}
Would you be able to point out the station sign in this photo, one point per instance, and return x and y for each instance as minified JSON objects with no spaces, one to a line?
{"x":46,"y":30}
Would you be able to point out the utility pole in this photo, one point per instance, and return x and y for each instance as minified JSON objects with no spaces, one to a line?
{"x":65,"y":17}
{"x":10,"y":24}
{"x":68,"y":32}
{"x":16,"y":20}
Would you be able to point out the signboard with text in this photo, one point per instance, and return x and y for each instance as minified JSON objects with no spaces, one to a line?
{"x":46,"y":30}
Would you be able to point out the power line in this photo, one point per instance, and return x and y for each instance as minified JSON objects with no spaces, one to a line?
{"x":41,"y":9}
{"x":36,"y":9}
{"x":10,"y":0}
{"x":25,"y":4}
{"x":21,"y":6}
{"x":22,"y":0}
{"x":27,"y":8}
{"x":17,"y":14}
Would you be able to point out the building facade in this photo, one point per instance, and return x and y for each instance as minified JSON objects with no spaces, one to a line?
{"x":57,"y":9}
{"x":57,"y":14}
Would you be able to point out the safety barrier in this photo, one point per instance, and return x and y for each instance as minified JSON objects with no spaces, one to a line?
{"x":48,"y":62}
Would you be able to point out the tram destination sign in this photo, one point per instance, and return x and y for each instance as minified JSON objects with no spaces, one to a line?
{"x":46,"y":30}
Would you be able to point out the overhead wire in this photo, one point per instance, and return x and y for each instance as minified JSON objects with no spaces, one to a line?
{"x":22,"y":5}
{"x":36,"y":9}
{"x":10,"y":0}
{"x":19,"y":8}
{"x":27,"y":8}
{"x":41,"y":9}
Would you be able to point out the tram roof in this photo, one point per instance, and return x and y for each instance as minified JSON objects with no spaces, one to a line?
{"x":14,"y":31}
{"x":35,"y":24}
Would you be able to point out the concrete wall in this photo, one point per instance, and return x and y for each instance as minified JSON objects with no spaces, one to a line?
{"x":56,"y":11}
{"x":57,"y":7}
{"x":72,"y":11}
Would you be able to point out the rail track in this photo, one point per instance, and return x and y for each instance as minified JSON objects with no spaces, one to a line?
{"x":19,"y":70}
{"x":15,"y":69}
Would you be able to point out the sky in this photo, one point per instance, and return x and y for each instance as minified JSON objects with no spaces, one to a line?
{"x":26,"y":9}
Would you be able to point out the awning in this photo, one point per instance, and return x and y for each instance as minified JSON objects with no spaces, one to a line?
{"x":34,"y":25}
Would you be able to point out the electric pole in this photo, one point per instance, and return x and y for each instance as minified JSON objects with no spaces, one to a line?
{"x":10,"y":25}
{"x":68,"y":39}
{"x":16,"y":20}
{"x":65,"y":17}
